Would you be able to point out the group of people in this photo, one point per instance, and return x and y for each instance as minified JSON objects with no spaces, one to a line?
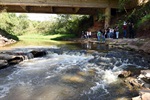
{"x":108,"y":33}
{"x":86,"y":34}
{"x":114,"y":32}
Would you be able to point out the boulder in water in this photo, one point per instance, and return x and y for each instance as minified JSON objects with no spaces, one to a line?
{"x":133,"y":83}
{"x":73,"y":79}
{"x":143,"y":95}
{"x":124,"y":74}
{"x":10,"y":59}
{"x":145,"y":74}
{"x":38,"y":53}
{"x":6,"y":56}
{"x":136,"y":98}
{"x":3,"y":63}
{"x":15,"y":60}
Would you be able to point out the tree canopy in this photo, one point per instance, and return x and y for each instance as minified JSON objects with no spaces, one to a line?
{"x":20,"y":25}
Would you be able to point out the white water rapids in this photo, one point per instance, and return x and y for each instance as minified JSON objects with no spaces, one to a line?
{"x":68,"y":76}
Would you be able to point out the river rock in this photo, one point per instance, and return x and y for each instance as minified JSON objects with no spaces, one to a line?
{"x":145,"y":77}
{"x":15,"y":60}
{"x":133,"y":83}
{"x":136,"y":98}
{"x":124,"y":74}
{"x":3,"y":63}
{"x":6,"y":56}
{"x":80,"y":73}
{"x":25,"y":55}
{"x":38,"y":53}
{"x":143,"y":95}
{"x":2,"y":42}
{"x":145,"y":74}
{"x":73,"y":78}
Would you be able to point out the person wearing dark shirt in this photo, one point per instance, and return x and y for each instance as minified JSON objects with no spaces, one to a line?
{"x":131,"y":30}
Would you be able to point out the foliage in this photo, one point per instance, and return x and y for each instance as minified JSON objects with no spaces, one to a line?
{"x":6,"y":22}
{"x":122,"y":5}
{"x":20,"y":25}
{"x":66,"y":24}
{"x":101,"y":16}
{"x":144,"y":19}
{"x":84,"y":23}
{"x":71,"y":25}
{"x":9,"y":36}
{"x":13,"y":24}
{"x":63,"y":24}
{"x":138,"y":15}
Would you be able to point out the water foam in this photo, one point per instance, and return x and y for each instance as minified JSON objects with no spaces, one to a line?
{"x":4,"y":89}
{"x":109,"y":77}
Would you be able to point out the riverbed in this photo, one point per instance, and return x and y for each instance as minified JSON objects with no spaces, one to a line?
{"x":69,"y":71}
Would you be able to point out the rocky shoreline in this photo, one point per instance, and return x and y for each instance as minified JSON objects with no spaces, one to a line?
{"x":11,"y":58}
{"x":136,"y":80}
{"x":137,"y":44}
{"x":139,"y":81}
{"x":5,"y":41}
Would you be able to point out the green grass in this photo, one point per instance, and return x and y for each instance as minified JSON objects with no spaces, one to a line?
{"x":38,"y":36}
{"x":45,"y":37}
{"x":64,"y":37}
{"x":144,"y":19}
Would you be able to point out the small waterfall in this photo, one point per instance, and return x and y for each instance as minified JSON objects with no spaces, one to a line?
{"x":29,"y":56}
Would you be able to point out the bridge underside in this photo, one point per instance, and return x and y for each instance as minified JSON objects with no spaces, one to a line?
{"x":57,"y":6}
{"x":90,"y":7}
{"x":51,"y":9}
{"x":61,"y":6}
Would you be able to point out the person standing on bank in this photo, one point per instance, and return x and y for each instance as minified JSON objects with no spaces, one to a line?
{"x":117,"y":32}
{"x":124,"y":29}
{"x":131,"y":30}
{"x":98,"y":35}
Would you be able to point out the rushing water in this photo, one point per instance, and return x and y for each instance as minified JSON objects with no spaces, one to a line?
{"x":70,"y":72}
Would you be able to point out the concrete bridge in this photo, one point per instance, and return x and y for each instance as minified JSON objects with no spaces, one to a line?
{"x":90,"y":7}
{"x":57,"y":6}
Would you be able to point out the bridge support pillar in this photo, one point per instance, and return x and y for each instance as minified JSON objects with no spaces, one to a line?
{"x":107,"y":17}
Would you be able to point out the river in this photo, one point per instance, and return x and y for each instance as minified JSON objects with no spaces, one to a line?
{"x":69,"y":71}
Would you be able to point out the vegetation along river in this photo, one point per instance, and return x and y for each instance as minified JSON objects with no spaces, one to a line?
{"x":68,"y":71}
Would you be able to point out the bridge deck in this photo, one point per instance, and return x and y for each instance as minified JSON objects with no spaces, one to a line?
{"x":57,"y":6}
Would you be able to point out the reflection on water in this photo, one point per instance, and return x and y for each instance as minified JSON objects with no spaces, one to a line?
{"x":65,"y":74}
{"x":95,"y":46}
{"x":36,"y":43}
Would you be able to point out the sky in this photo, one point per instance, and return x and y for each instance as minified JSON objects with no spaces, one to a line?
{"x":39,"y":17}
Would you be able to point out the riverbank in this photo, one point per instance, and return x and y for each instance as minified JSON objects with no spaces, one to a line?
{"x":136,"y":80}
{"x":6,"y":38}
{"x":137,"y":44}
{"x":5,"y":41}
